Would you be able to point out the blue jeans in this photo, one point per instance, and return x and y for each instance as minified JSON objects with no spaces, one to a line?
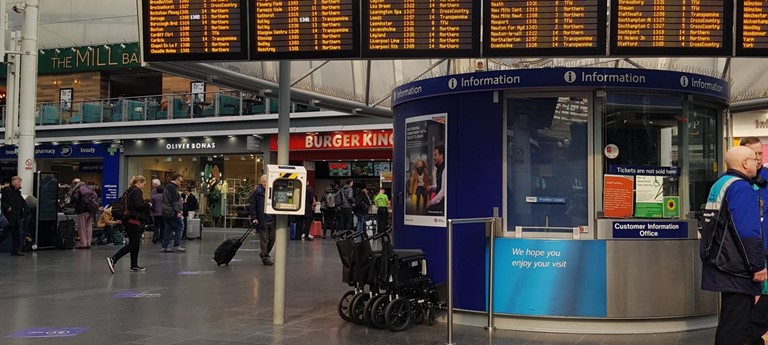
{"x":360,"y":226}
{"x":173,"y":227}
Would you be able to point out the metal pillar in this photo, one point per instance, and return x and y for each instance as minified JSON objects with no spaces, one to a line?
{"x":281,"y":238}
{"x":28,"y":93}
{"x":12,"y":102}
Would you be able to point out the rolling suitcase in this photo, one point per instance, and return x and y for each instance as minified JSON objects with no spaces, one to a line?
{"x":227,"y":249}
{"x":194,"y":228}
{"x":316,"y":229}
{"x":65,"y":234}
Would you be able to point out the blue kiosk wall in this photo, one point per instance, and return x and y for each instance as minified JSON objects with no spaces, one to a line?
{"x":474,"y":144}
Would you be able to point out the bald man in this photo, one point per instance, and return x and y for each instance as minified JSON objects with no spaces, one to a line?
{"x":736,"y":271}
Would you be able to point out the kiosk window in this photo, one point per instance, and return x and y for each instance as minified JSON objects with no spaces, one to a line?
{"x":546,"y":163}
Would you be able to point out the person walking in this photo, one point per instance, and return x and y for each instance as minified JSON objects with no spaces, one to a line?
{"x":135,"y":205}
{"x":382,"y":212}
{"x":303,"y":223}
{"x":190,"y":207}
{"x":157,"y":212}
{"x":264,"y":223}
{"x":345,"y":209}
{"x":172,"y":214}
{"x":328,"y":207}
{"x":736,"y":273}
{"x":14,"y":207}
{"x":86,"y":204}
{"x":362,"y":206}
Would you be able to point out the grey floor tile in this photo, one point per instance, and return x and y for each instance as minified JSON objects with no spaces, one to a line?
{"x":223,"y":305}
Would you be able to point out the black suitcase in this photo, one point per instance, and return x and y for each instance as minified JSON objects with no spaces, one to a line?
{"x":227,"y":249}
{"x":65,"y":234}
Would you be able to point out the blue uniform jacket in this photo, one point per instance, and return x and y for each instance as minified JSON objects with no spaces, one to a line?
{"x":256,"y":207}
{"x":744,"y":210}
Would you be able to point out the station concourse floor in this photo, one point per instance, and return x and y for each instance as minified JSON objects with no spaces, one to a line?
{"x":186,"y":299}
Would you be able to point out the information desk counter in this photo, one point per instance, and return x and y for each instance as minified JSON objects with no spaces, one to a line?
{"x":608,"y":279}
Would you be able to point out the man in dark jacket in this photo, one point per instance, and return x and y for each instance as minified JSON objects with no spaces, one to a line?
{"x":345,"y":209}
{"x":265,"y":223}
{"x":304,"y":223}
{"x":737,"y":276}
{"x":190,"y":206}
{"x":14,"y":207}
{"x":172,"y":214}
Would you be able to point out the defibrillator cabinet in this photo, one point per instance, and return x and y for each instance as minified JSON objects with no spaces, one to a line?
{"x":286,"y":189}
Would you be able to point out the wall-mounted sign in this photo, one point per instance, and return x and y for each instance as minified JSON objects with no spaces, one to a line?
{"x":611,"y":151}
{"x":86,"y":59}
{"x":649,"y":196}
{"x":650,"y":229}
{"x":617,"y":196}
{"x":643,"y":170}
{"x":338,"y":140}
{"x":65,"y":98}
{"x":187,"y":146}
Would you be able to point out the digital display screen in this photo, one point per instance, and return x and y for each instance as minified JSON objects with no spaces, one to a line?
{"x":305,"y":29}
{"x":338,"y":168}
{"x":381,"y":166}
{"x":752,"y":28}
{"x":362,"y":169}
{"x":421,"y":28}
{"x":671,"y":27}
{"x":189,"y":30}
{"x":544,"y":28}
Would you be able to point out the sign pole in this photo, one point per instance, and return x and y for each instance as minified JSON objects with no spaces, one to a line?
{"x":28,"y":93}
{"x":281,"y":238}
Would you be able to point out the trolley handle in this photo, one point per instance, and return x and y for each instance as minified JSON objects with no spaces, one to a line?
{"x":381,"y":234}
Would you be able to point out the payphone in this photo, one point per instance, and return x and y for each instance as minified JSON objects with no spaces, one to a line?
{"x":286,"y":189}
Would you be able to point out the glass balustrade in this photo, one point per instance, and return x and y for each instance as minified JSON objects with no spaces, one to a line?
{"x":160,"y":107}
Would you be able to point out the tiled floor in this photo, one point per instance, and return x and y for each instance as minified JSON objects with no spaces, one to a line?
{"x":206,"y":304}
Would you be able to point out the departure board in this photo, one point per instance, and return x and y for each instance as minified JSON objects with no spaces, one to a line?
{"x":671,"y":27}
{"x":752,"y":28}
{"x":544,"y":27}
{"x":305,"y":29}
{"x":176,"y":30}
{"x":421,"y":28}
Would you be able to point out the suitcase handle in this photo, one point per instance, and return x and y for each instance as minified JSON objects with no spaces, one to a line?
{"x":248,"y":232}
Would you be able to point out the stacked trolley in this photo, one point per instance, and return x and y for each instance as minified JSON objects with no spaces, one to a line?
{"x":390,"y":287}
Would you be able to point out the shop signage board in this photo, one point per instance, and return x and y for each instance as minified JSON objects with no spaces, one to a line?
{"x":373,"y":139}
{"x":189,"y":146}
{"x":83,"y":59}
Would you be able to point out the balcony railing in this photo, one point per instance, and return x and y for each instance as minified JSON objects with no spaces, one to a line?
{"x":161,"y":107}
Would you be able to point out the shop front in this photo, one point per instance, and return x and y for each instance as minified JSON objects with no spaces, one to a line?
{"x":220,"y":171}
{"x":97,"y":165}
{"x":334,"y":157}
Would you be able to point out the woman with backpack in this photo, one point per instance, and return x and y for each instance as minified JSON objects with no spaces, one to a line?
{"x":133,"y":201}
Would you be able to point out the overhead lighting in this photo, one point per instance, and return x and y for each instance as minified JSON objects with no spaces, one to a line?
{"x":122,"y":45}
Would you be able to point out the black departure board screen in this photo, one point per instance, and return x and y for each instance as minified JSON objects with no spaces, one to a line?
{"x":544,"y":27}
{"x":671,"y":27}
{"x":305,"y":29}
{"x":178,"y":30}
{"x":421,"y":28}
{"x":752,"y":28}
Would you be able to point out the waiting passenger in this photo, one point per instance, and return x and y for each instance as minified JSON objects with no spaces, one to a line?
{"x":136,"y":206}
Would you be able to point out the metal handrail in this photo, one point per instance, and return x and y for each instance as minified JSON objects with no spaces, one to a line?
{"x":487,"y":220}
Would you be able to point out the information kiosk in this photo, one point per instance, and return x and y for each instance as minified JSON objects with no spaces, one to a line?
{"x":599,"y":174}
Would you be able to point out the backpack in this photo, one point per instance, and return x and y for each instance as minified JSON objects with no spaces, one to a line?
{"x":330,"y":200}
{"x":88,"y":201}
{"x":720,"y":244}
{"x":337,"y":198}
{"x":120,"y":208}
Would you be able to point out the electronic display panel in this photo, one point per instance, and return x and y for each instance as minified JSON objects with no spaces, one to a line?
{"x":752,"y":28}
{"x":671,"y":27}
{"x":421,"y":28}
{"x":362,"y":169}
{"x":194,"y":30}
{"x":338,"y":169}
{"x":544,"y":27}
{"x":305,"y":29}
{"x":379,"y":167}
